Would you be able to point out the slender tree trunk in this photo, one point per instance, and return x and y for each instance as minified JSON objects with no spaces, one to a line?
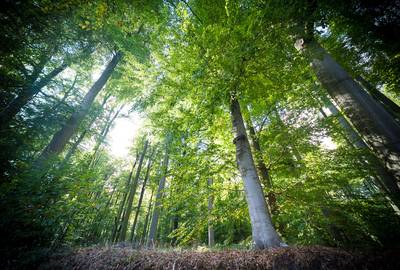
{"x":264,"y":234}
{"x":353,"y":138}
{"x":27,"y":93}
{"x":210,"y":207}
{"x":139,"y":205}
{"x":61,"y":138}
{"x":74,"y":147}
{"x":127,"y":213}
{"x":377,"y":127}
{"x":123,"y":201}
{"x":157,"y":205}
{"x":174,"y":226}
{"x":146,"y":221}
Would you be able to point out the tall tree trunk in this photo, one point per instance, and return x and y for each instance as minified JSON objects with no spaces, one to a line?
{"x":262,"y":168}
{"x":264,"y":234}
{"x":123,"y":201}
{"x":26,"y":94}
{"x":139,"y":205}
{"x":157,"y":205}
{"x":61,"y":138}
{"x":389,"y":105}
{"x":127,"y":213}
{"x":383,"y":179}
{"x":146,"y":220}
{"x":78,"y":141}
{"x":377,"y":127}
{"x":210,"y":207}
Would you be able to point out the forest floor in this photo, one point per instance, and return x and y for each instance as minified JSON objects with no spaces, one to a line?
{"x":293,"y":258}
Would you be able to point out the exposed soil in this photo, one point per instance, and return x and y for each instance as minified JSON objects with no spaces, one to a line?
{"x":292,"y":258}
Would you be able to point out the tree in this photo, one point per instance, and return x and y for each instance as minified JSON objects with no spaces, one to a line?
{"x":264,"y":234}
{"x":60,"y":139}
{"x":139,"y":205}
{"x":132,"y":192}
{"x":380,"y":132}
{"x":118,"y":218}
{"x":157,"y":205}
{"x":210,"y":203}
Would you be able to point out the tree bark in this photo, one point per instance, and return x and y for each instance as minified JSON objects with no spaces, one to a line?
{"x":262,"y":168}
{"x":78,"y":141}
{"x":61,"y":138}
{"x":383,"y":179}
{"x":146,"y":221}
{"x":139,"y":205}
{"x":157,"y":205}
{"x":263,"y":232}
{"x":127,"y":213}
{"x":386,"y":102}
{"x":210,"y":207}
{"x":377,"y":127}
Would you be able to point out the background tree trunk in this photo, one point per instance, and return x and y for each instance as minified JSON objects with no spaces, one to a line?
{"x":61,"y":138}
{"x":146,"y":221}
{"x":139,"y":205}
{"x":210,"y":207}
{"x":156,"y":211}
{"x":122,"y":204}
{"x":104,"y":132}
{"x":128,"y":210}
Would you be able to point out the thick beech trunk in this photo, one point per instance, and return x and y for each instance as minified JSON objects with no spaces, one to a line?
{"x":377,"y":126}
{"x":157,"y":205}
{"x":386,"y":102}
{"x":61,"y":138}
{"x":383,"y":179}
{"x":78,"y":141}
{"x":262,"y":168}
{"x":139,"y":205}
{"x":263,"y":232}
{"x":210,"y":207}
{"x":128,"y":210}
{"x":26,"y":94}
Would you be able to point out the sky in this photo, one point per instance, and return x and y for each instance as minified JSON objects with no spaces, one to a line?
{"x":123,"y":133}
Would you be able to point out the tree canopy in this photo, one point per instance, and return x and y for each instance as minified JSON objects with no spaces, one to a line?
{"x":265,"y":123}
